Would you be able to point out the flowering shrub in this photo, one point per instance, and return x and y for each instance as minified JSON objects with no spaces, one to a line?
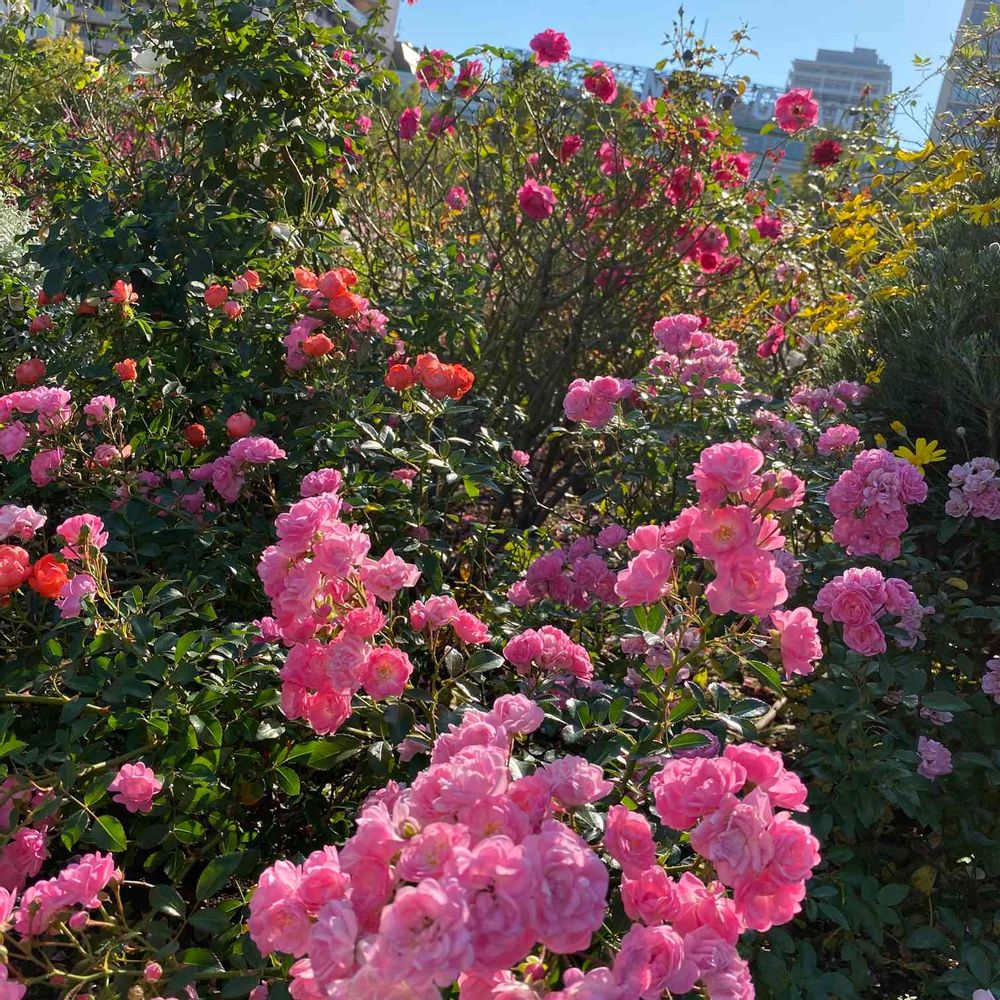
{"x":503,"y":586}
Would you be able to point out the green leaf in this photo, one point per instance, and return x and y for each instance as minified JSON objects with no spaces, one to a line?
{"x":166,"y":899}
{"x":767,"y":674}
{"x":926,"y":937}
{"x":216,"y":875}
{"x":288,"y":780}
{"x":108,"y":834}
{"x":890,"y":895}
{"x":939,"y":701}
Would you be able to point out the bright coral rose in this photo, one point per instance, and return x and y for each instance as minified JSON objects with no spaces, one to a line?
{"x":126,"y":370}
{"x":195,"y":435}
{"x":215,"y":296}
{"x":47,"y":576}
{"x":239,"y":425}
{"x":317,"y":345}
{"x":400,"y":377}
{"x":29,"y":372}
{"x":796,"y":110}
{"x":15,"y":567}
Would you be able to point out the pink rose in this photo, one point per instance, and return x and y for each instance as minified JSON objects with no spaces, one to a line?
{"x":629,"y":840}
{"x":385,"y":672}
{"x":796,"y":111}
{"x":799,"y":637}
{"x":536,"y":200}
{"x":550,"y":47}
{"x":134,"y":787}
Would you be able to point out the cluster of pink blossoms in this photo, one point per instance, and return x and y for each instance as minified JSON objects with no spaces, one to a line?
{"x":974,"y":490}
{"x":991,"y":679}
{"x":549,"y":653}
{"x":764,"y":856}
{"x":442,"y":611}
{"x":860,"y":598}
{"x":691,"y":355}
{"x":228,"y":473}
{"x":733,"y":528}
{"x":593,"y":402}
{"x":869,"y":503}
{"x":838,"y":440}
{"x":75,"y":889}
{"x":325,"y":595}
{"x":461,"y":876}
{"x":577,"y":575}
{"x":832,"y":399}
{"x":24,"y":848}
{"x":773,"y":431}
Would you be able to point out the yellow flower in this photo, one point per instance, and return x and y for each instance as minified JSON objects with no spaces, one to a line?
{"x":900,"y":428}
{"x":880,"y":440}
{"x":875,"y":375}
{"x":923,"y":453}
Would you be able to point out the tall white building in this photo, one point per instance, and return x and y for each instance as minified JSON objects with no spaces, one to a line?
{"x":841,"y":81}
{"x":955,"y":101}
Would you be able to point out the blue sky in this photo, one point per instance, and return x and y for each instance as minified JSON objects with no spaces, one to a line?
{"x":632,"y":31}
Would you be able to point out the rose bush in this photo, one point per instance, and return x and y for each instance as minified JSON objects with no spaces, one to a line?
{"x":450,"y":543}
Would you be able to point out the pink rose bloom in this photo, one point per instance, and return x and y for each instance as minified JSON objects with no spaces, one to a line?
{"x":799,"y":636}
{"x":571,"y":887}
{"x":500,"y":881}
{"x":537,"y":201}
{"x":651,"y":961}
{"x":13,"y":438}
{"x":388,"y":576}
{"x":409,"y":123}
{"x":650,"y":896}
{"x":516,"y":714}
{"x":385,"y":672}
{"x":717,"y":532}
{"x":867,"y":639}
{"x":457,"y":198}
{"x":423,"y":937}
{"x":600,"y":81}
{"x":796,"y":111}
{"x":278,"y":918}
{"x":796,"y":851}
{"x":646,"y":579}
{"x":434,"y":613}
{"x":629,"y":840}
{"x":575,"y":782}
{"x":470,"y":629}
{"x":321,"y":481}
{"x":255,"y":451}
{"x":550,"y":47}
{"x":699,"y":905}
{"x":935,"y":759}
{"x":838,"y":439}
{"x":675,"y":333}
{"x":521,"y":458}
{"x":735,"y":836}
{"x":747,"y":582}
{"x":763,"y":903}
{"x":72,"y":593}
{"x":765,"y":768}
{"x":134,"y":787}
{"x":686,"y":790}
{"x":725,"y":468}
{"x":85,"y":528}
{"x":21,"y":522}
{"x":611,"y":536}
{"x":99,"y":409}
